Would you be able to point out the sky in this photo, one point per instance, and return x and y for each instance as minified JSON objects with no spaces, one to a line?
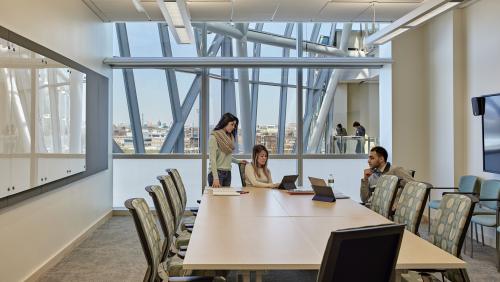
{"x":151,"y":85}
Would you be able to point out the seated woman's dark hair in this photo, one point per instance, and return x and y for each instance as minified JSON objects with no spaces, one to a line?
{"x":224,"y":120}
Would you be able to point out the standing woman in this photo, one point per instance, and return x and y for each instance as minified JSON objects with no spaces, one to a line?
{"x":220,"y":147}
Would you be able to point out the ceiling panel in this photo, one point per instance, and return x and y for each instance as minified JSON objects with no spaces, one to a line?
{"x":215,"y":11}
{"x":260,"y":10}
{"x":386,"y":12}
{"x":341,"y":12}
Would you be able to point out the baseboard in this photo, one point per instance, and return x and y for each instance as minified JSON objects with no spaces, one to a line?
{"x":51,"y":262}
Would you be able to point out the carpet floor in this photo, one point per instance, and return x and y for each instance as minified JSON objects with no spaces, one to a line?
{"x":113,"y":253}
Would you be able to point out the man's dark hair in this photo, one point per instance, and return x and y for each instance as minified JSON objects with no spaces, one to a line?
{"x":381,"y":152}
{"x":339,"y":125}
{"x":356,"y":124}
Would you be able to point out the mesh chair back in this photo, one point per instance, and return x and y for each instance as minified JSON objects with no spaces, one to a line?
{"x":165,"y":216}
{"x":173,"y":197}
{"x":469,"y":184}
{"x":149,"y":235}
{"x":411,"y":205}
{"x":450,"y":225}
{"x":241,"y":168}
{"x":179,"y":185}
{"x":490,"y":189}
{"x":361,"y":254}
{"x":384,"y":194}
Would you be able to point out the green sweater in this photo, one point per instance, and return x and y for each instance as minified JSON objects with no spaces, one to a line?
{"x":218,"y":159}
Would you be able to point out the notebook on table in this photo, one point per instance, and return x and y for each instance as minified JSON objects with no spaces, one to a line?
{"x":225,"y":191}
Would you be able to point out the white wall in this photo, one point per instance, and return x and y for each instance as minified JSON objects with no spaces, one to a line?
{"x":409,"y":104}
{"x":363,"y":106}
{"x":437,"y":69}
{"x":37,"y":229}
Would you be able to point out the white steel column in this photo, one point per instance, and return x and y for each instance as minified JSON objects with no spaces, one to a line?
{"x":329,"y":94}
{"x":244,"y":92}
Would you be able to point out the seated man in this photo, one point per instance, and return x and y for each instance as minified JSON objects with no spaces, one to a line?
{"x":377,"y":160}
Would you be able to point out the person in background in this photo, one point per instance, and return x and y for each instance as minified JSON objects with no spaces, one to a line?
{"x":256,"y":173}
{"x":221,"y":144}
{"x":360,"y":131}
{"x":377,"y":161}
{"x":341,"y":131}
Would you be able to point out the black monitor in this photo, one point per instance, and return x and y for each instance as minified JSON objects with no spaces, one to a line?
{"x":491,"y":133}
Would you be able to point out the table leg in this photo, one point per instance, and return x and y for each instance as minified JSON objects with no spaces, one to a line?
{"x":258,"y":276}
{"x":246,"y":276}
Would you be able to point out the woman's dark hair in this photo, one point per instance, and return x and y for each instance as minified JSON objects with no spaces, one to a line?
{"x":224,"y":120}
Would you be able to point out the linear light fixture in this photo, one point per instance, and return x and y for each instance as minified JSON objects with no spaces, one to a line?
{"x":423,"y":13}
{"x":177,"y":16}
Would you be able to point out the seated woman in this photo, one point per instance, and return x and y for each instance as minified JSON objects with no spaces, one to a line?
{"x":256,"y":173}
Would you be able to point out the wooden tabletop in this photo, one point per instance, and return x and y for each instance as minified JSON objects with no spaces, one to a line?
{"x":268,"y":229}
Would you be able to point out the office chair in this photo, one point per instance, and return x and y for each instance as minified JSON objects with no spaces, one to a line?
{"x":174,"y":201}
{"x":468,"y":184}
{"x":362,"y":254}
{"x":449,"y":228}
{"x":411,"y":205}
{"x":488,"y":212}
{"x":181,"y":189}
{"x":241,"y":168}
{"x":152,"y":246}
{"x":166,"y":219}
{"x":384,"y":195}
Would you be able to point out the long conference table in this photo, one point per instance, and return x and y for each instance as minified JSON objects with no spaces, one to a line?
{"x":269,"y":229}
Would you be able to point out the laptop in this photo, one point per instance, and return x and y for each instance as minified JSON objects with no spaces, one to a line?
{"x":288,"y":182}
{"x":318,"y":182}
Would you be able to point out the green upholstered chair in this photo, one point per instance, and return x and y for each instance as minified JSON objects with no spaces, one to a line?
{"x":179,"y":184}
{"x":468,"y":184}
{"x":498,"y":249}
{"x":487,"y":215}
{"x":241,"y":169}
{"x":152,"y":245}
{"x":173,"y":198}
{"x":411,"y":205}
{"x":181,"y":189}
{"x":166,"y":219}
{"x":384,"y":195}
{"x":449,"y":228}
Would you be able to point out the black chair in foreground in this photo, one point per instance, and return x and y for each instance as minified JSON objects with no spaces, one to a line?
{"x":362,"y":254}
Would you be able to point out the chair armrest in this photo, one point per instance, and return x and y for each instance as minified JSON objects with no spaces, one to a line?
{"x":193,"y":209}
{"x":189,"y":225}
{"x":489,"y":199}
{"x":195,"y":213}
{"x":183,"y":248}
{"x":190,"y":230}
{"x":198,"y":201}
{"x":191,"y":278}
{"x":182,"y":255}
{"x":443,"y":188}
{"x":460,"y":193}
